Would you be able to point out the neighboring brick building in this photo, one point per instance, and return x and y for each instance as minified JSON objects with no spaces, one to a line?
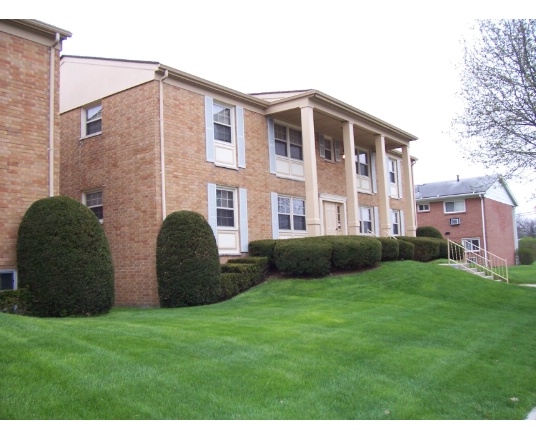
{"x":29,"y":127}
{"x":141,"y":140}
{"x":479,"y":211}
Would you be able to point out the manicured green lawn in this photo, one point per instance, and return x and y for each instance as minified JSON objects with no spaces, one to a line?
{"x":406,"y":340}
{"x":523,"y":274}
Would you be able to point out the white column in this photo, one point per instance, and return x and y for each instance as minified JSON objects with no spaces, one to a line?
{"x":312,"y":205}
{"x":351,"y":179}
{"x":409,"y":193}
{"x":382,"y":174}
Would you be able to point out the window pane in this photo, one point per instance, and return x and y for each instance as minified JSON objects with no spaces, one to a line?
{"x":299,"y":223}
{"x":221,"y":114}
{"x":284,"y":221}
{"x":283,"y":205}
{"x":94,"y":127}
{"x":363,"y":165}
{"x":281,"y":148}
{"x":280,"y":132}
{"x":224,"y":199}
{"x":94,"y":113}
{"x":295,"y":136}
{"x":222,"y":133}
{"x":298,"y":207}
{"x":225,"y":217}
{"x":328,"y":152}
{"x":7,"y":281}
{"x":296,"y":152}
{"x":449,"y":206}
{"x":98,"y":211}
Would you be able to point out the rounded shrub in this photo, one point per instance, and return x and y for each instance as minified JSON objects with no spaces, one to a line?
{"x":526,"y":256}
{"x":63,"y":260}
{"x":352,"y":252}
{"x":303,"y":256}
{"x":428,"y":231}
{"x":528,"y":243}
{"x":187,"y":261}
{"x":426,"y":249}
{"x":390,"y":248}
{"x":406,"y":250}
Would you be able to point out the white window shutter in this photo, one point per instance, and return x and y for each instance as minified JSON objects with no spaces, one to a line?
{"x":275,"y":216}
{"x":271,"y":145}
{"x":322,"y":143}
{"x":209,"y":129}
{"x":402,"y":226}
{"x":376,"y":221}
{"x":241,"y":140}
{"x":373,"y":172}
{"x":337,"y":151}
{"x":243,"y":202}
{"x":212,"y":210}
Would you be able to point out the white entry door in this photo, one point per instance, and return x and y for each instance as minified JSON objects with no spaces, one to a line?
{"x":332,"y":218}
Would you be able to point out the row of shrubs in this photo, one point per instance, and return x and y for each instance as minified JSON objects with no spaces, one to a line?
{"x":527,"y":250}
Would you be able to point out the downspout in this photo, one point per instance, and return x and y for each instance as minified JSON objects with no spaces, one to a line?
{"x":51,"y":117}
{"x":483,"y":223}
{"x":162,"y":155}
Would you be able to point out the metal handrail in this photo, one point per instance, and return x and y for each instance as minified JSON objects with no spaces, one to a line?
{"x":479,"y":258}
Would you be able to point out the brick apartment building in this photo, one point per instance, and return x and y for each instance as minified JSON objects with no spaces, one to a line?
{"x":477,"y":211}
{"x":29,"y":127}
{"x":140,"y":140}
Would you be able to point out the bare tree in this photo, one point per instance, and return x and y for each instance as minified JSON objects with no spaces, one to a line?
{"x":497,"y":127}
{"x":526,"y":226}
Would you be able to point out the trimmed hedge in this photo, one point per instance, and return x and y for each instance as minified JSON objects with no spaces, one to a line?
{"x":263,"y":248}
{"x":528,"y":243}
{"x":13,"y":301}
{"x":64,"y":260}
{"x":428,"y":231}
{"x":426,"y":249}
{"x":303,"y":256}
{"x":526,"y":256}
{"x":260,"y":264}
{"x":443,"y":247}
{"x":248,"y":274}
{"x":230,"y":283}
{"x":187,"y":261}
{"x":406,"y":250}
{"x":352,"y":252}
{"x":390,"y":248}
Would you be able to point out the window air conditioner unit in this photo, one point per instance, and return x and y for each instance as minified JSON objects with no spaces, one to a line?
{"x":455,"y":221}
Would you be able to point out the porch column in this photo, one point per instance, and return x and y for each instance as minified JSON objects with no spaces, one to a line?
{"x":383,"y":187}
{"x":351,"y":179}
{"x":409,"y":192}
{"x":312,"y":204}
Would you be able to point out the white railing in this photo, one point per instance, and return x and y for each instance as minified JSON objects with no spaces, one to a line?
{"x":474,"y":257}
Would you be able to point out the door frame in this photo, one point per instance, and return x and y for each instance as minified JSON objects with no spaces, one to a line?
{"x":333,"y":198}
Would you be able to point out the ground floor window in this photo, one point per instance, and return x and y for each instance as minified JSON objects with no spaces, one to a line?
{"x":291,"y":213}
{"x":93,"y":200}
{"x":8,"y":280}
{"x":366,"y":220}
{"x":471,"y":244}
{"x":395,"y":218}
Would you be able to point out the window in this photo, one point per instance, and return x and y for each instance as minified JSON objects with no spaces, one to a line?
{"x":395,"y":189}
{"x":366,"y":220}
{"x":224,"y":134}
{"x":471,"y":244}
{"x":225,"y":208}
{"x":454,"y":206}
{"x":423,"y":207}
{"x":8,"y":280}
{"x":222,"y":123}
{"x":392,"y":171}
{"x":363,"y":170}
{"x":291,"y":213}
{"x":396,"y":222}
{"x":93,"y":200}
{"x":328,"y":149}
{"x":288,"y":142}
{"x":92,"y":120}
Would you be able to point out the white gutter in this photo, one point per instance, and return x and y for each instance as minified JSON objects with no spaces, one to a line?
{"x":51,"y":117}
{"x":162,"y":152}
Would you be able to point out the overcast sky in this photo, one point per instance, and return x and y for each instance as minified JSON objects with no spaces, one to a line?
{"x":398,"y":61}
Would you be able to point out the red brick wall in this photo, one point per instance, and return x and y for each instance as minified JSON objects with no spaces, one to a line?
{"x":500,"y":230}
{"x":24,"y":134}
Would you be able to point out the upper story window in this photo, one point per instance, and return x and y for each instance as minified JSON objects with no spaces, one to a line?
{"x":288,"y":142}
{"x":363,"y":170}
{"x":423,"y":207}
{"x":454,"y":206}
{"x":291,"y":213}
{"x":328,"y":149}
{"x":93,"y":200}
{"x":92,"y":120}
{"x":223,"y":123}
{"x":395,"y":189}
{"x":224,"y":130}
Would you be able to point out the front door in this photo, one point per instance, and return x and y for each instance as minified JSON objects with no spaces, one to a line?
{"x":332,"y":218}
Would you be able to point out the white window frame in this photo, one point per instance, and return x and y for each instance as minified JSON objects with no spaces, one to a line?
{"x":288,"y":141}
{"x":231,"y":124}
{"x":232,"y":191}
{"x":457,"y":206}
{"x":85,"y":120}
{"x":364,"y":182}
{"x":469,"y":245}
{"x":291,"y":214}
{"x":286,"y":166}
{"x":370,"y":211}
{"x":423,"y":207}
{"x":329,"y":147}
{"x":393,"y":170}
{"x":396,"y":222}
{"x":13,"y":273}
{"x":91,"y":205}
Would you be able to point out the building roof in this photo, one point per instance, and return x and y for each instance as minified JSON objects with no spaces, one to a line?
{"x":468,"y":187}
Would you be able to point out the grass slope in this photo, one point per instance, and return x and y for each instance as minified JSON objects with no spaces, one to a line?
{"x":404,"y":341}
